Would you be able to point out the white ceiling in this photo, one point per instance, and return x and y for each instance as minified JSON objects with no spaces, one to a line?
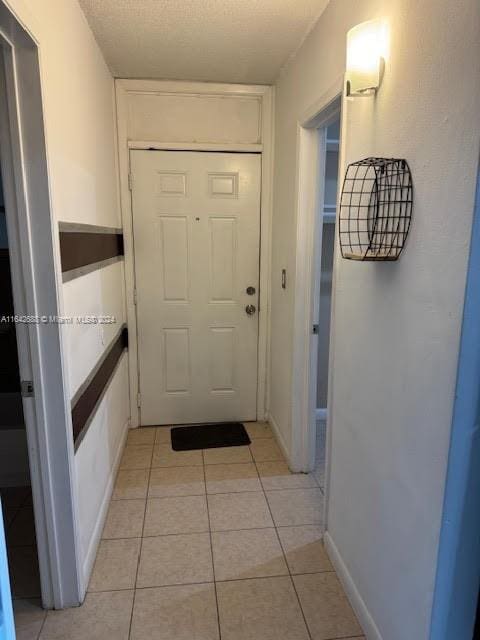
{"x":215,"y":40}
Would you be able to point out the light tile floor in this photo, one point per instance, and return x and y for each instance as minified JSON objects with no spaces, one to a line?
{"x":221,"y":544}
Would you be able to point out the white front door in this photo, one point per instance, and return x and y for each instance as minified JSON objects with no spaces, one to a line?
{"x":196,"y":222}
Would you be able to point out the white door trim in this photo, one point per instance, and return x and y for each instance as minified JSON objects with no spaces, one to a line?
{"x":309,"y":193}
{"x":266,"y":94}
{"x":33,"y":239}
{"x":309,"y":196}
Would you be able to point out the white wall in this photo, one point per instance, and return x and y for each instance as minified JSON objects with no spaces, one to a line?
{"x":97,"y":456}
{"x":79,"y":112}
{"x":397,"y":325}
{"x":100,"y":292}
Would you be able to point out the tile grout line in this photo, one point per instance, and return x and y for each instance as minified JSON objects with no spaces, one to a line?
{"x":141,"y":542}
{"x":43,"y":624}
{"x":274,"y":526}
{"x":211,"y":548}
{"x":203,"y":465}
{"x":285,"y":559}
{"x":288,"y":566}
{"x":208,"y":464}
{"x":189,"y":584}
{"x":280,"y":526}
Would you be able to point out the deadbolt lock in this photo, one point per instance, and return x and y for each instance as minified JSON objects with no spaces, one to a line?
{"x":251,"y":291}
{"x":250,"y":309}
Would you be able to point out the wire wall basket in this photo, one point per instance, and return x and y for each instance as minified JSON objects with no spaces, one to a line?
{"x":375,"y":209}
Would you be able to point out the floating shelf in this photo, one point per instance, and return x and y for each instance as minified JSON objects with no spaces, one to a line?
{"x":375,"y":209}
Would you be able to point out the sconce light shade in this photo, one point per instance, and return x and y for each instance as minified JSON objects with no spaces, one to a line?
{"x":366,"y":50}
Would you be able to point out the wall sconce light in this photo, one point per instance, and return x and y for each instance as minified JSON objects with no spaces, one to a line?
{"x":366,"y":51}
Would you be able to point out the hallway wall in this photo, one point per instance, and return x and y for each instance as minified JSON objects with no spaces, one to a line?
{"x":397,"y":325}
{"x":79,"y":113}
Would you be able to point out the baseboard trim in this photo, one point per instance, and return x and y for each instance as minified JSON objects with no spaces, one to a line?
{"x":102,"y":515}
{"x":321,"y":414}
{"x":285,"y":450}
{"x":279,"y":437}
{"x":363,"y":614}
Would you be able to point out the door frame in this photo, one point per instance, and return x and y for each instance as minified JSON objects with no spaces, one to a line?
{"x":265,"y":148}
{"x":458,"y":566}
{"x":311,"y":143}
{"x":36,"y":281}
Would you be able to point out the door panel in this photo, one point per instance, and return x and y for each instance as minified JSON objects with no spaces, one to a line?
{"x":177,"y":360}
{"x":173,"y":238}
{"x":196,"y":219}
{"x":222,"y":259}
{"x":222,"y":358}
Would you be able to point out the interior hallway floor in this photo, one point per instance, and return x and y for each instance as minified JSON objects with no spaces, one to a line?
{"x":213,"y":544}
{"x":22,"y":556}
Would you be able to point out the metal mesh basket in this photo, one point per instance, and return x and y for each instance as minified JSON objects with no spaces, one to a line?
{"x":375,"y":209}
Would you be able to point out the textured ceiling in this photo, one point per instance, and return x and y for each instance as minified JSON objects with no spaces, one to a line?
{"x":215,"y":40}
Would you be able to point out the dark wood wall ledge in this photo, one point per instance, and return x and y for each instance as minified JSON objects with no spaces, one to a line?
{"x":86,"y":247}
{"x":85,"y":402}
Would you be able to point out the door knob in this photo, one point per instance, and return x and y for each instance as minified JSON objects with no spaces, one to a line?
{"x":250,"y":291}
{"x":250,"y":309}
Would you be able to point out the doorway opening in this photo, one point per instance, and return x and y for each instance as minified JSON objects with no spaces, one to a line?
{"x":15,"y":482}
{"x":456,"y":602}
{"x":329,"y":148}
{"x":319,"y":156}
